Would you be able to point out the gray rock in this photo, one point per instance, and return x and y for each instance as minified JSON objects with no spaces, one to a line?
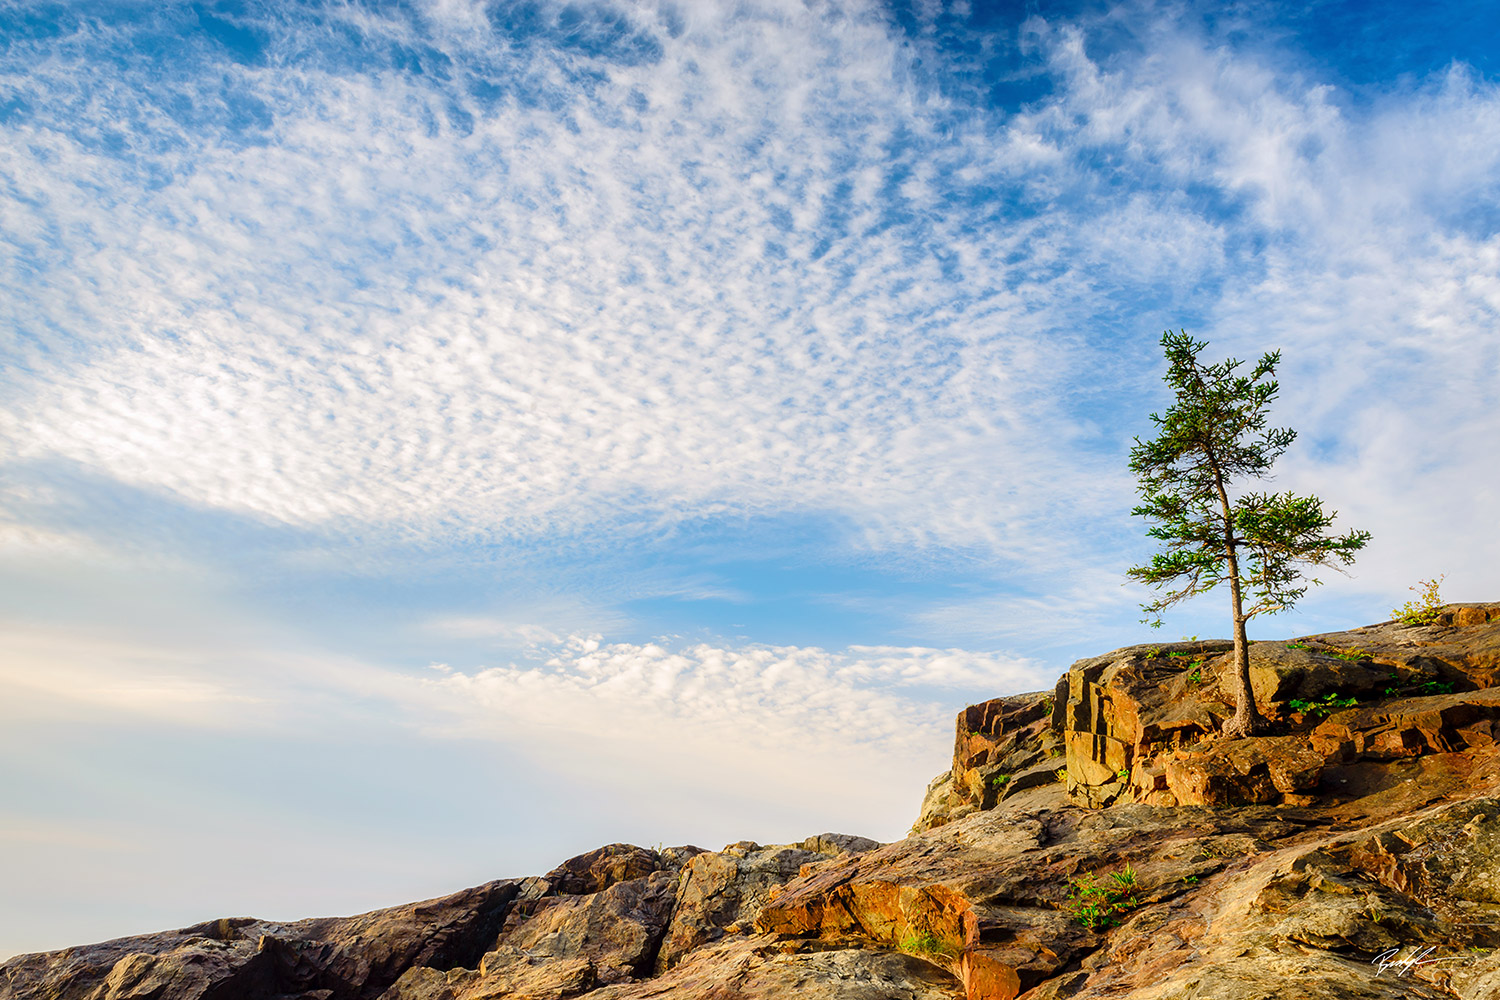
{"x":723,"y":893}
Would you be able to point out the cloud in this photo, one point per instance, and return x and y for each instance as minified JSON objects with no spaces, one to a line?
{"x":738,"y":262}
{"x":714,"y":283}
{"x":773,"y":699}
{"x":804,"y":729}
{"x":813,"y":734}
{"x":468,"y":332}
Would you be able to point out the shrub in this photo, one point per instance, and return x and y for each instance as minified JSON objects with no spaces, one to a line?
{"x":1425,"y":609}
{"x":1328,"y":703}
{"x":1097,"y":903}
{"x":927,"y":944}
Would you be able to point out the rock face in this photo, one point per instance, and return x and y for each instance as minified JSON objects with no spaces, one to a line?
{"x":346,"y":958}
{"x":1099,"y":840}
{"x":1139,"y":723}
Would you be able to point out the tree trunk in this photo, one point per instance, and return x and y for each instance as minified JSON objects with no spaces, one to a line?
{"x":1247,"y":720}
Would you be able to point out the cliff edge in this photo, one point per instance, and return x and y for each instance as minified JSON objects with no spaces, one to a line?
{"x":1097,"y":840}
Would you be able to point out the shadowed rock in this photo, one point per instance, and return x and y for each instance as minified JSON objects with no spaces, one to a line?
{"x":331,"y":958}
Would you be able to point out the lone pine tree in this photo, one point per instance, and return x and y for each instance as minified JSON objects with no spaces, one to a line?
{"x":1213,"y":436}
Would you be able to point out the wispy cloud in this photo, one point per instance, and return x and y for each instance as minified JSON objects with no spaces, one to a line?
{"x":715,"y":282}
{"x":801,"y":730}
{"x":723,"y":262}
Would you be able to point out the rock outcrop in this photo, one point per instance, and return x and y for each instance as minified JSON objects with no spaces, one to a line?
{"x":1098,"y":840}
{"x":1140,"y":724}
{"x":346,"y":958}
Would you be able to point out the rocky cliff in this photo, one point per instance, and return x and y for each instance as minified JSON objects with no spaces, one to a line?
{"x":1097,"y":840}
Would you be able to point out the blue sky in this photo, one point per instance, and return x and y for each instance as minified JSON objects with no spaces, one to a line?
{"x":437,"y":438}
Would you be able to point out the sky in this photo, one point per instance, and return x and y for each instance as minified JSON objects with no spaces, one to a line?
{"x":439,"y":437}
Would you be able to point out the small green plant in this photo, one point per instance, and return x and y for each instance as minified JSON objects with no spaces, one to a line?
{"x":1000,"y":780}
{"x":927,"y":944}
{"x":1097,"y":903}
{"x":1426,"y":608}
{"x":1352,"y":655}
{"x":1123,"y":774}
{"x":1297,"y":645}
{"x":1324,"y":705}
{"x":1190,"y":880}
{"x":1433,"y":686}
{"x":1061,"y":774}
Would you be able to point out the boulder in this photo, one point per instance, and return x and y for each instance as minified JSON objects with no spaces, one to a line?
{"x":1141,"y":701}
{"x":1242,"y":772}
{"x":1281,"y":672}
{"x":617,"y":929}
{"x":601,"y":868}
{"x":941,"y":804}
{"x":1001,"y":736}
{"x":723,"y":893}
{"x":834,"y":844}
{"x":1462,"y":647}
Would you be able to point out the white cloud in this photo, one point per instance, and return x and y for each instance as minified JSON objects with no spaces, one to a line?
{"x":560,"y":319}
{"x":762,"y":274}
{"x":846,"y":734}
{"x":804,"y":700}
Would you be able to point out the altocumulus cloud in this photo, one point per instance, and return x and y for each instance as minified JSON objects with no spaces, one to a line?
{"x":505,"y":271}
{"x":706,"y":280}
{"x":798,"y":726}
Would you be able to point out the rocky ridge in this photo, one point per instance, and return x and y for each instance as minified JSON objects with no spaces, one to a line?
{"x":1097,"y":840}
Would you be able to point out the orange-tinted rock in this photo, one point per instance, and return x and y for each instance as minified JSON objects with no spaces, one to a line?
{"x":1463,"y":646}
{"x":992,"y":741}
{"x":941,"y":803}
{"x":740,"y":969}
{"x":1242,"y":772}
{"x":986,"y":978}
{"x":1135,"y":702}
{"x":1411,"y":727}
